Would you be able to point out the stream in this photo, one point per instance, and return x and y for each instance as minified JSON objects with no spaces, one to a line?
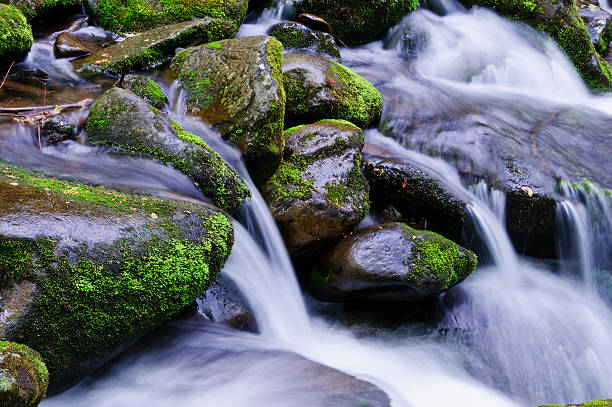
{"x":519,"y":332}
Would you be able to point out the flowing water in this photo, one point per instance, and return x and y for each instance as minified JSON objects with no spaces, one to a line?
{"x":517,"y":332}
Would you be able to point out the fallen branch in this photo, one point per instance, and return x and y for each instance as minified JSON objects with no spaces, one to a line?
{"x":78,"y":105}
{"x":6,"y":75}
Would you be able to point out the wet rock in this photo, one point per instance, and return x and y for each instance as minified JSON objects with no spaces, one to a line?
{"x":419,"y":197}
{"x":15,"y":35}
{"x":154,"y":47}
{"x":57,"y":129}
{"x":237,"y":86}
{"x":223,"y":303}
{"x":599,"y":25}
{"x":36,"y":10}
{"x":86,"y":271}
{"x":391,"y":262}
{"x":23,"y":376}
{"x":358,"y":21}
{"x":318,"y":193}
{"x":146,"y":88}
{"x":561,"y":20}
{"x":314,"y":22}
{"x":140,"y":15}
{"x":69,"y":45}
{"x":121,"y":119}
{"x":297,"y":37}
{"x":318,"y":88}
{"x":30,"y":77}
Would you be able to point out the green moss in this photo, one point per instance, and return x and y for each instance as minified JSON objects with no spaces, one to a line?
{"x":147,"y":89}
{"x":23,"y":375}
{"x":39,"y":372}
{"x":197,"y":90}
{"x":15,"y":35}
{"x":287,"y":181}
{"x":594,"y":403}
{"x":293,"y":129}
{"x":215,"y":45}
{"x":15,"y":263}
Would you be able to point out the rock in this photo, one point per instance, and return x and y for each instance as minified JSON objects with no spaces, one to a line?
{"x":598,"y":24}
{"x":318,"y":88}
{"x":223,"y":304}
{"x":23,"y":376}
{"x":69,"y":45}
{"x":318,"y":193}
{"x":140,"y":15}
{"x":86,"y":271}
{"x":594,"y":403}
{"x":15,"y":35}
{"x":391,"y":262}
{"x":236,"y":85}
{"x":296,"y":37}
{"x":154,"y":47}
{"x":420,"y":198}
{"x":37,"y":10}
{"x":561,"y":20}
{"x":121,"y":119}
{"x":146,"y":88}
{"x":358,"y":21}
{"x":57,"y":129}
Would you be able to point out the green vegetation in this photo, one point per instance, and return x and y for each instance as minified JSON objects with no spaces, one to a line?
{"x":23,"y":375}
{"x":15,"y":35}
{"x":594,"y":403}
{"x":147,"y":89}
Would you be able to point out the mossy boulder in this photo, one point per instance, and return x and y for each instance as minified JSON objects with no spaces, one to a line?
{"x":86,"y":271}
{"x":152,"y":48}
{"x":318,"y":88}
{"x":146,"y":88}
{"x":296,"y":37}
{"x":37,"y":10}
{"x":23,"y":376}
{"x":594,"y":403}
{"x":237,"y":86}
{"x":598,"y":23}
{"x":358,"y":21}
{"x":391,"y":262}
{"x":561,"y":20}
{"x":318,"y":193}
{"x":139,"y":15}
{"x":69,"y":45}
{"x":15,"y":35}
{"x":122,"y":120}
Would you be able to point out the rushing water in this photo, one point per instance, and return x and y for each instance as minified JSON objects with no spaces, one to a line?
{"x":517,"y":332}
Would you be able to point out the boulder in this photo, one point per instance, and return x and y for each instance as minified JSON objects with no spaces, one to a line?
{"x":296,"y":37}
{"x":86,"y":271}
{"x":561,"y":20}
{"x":36,"y":10}
{"x":122,"y":120}
{"x":69,"y":45}
{"x":391,"y":262}
{"x":237,"y":86}
{"x":15,"y":35}
{"x":146,"y":88}
{"x":223,"y":303}
{"x":598,"y":24}
{"x":23,"y":376}
{"x":358,"y":21}
{"x":140,"y":15}
{"x":152,"y":48}
{"x":57,"y":129}
{"x":318,"y":88}
{"x":318,"y":193}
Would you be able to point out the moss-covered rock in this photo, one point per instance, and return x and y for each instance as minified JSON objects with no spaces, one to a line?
{"x":358,"y":21}
{"x":594,"y":403}
{"x":146,"y":88}
{"x":15,"y":35}
{"x":237,"y":86}
{"x":391,"y":262}
{"x":87,"y":271}
{"x":598,"y":23}
{"x":139,"y":15}
{"x":318,"y":88}
{"x":318,"y":193}
{"x":296,"y":37}
{"x":121,"y":119}
{"x":154,"y":47}
{"x":23,"y":376}
{"x":36,"y":10}
{"x":559,"y":19}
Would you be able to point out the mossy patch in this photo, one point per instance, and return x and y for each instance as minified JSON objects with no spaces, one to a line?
{"x":146,"y":88}
{"x":15,"y":35}
{"x":23,"y":375}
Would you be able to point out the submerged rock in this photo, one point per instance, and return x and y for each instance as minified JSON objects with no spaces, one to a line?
{"x":69,"y":45}
{"x":391,"y":262}
{"x":86,"y":271}
{"x":237,"y":86}
{"x":297,"y":37}
{"x":318,"y":88}
{"x":57,"y":129}
{"x":599,"y":25}
{"x":561,"y":20}
{"x":15,"y":35}
{"x":146,"y":88}
{"x":318,"y":193}
{"x":23,"y":376}
{"x":154,"y":47}
{"x":139,"y":15}
{"x":121,"y":119}
{"x":36,"y":10}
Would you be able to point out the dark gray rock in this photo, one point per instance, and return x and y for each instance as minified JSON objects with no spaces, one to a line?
{"x":69,"y":45}
{"x":296,"y":37}
{"x":223,"y":303}
{"x":57,"y":129}
{"x":598,"y":23}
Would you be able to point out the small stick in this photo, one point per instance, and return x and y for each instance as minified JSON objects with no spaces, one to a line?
{"x":6,"y":75}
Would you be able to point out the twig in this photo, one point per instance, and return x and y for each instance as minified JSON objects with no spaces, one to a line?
{"x":77,"y":105}
{"x":6,"y":75}
{"x":39,"y":141}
